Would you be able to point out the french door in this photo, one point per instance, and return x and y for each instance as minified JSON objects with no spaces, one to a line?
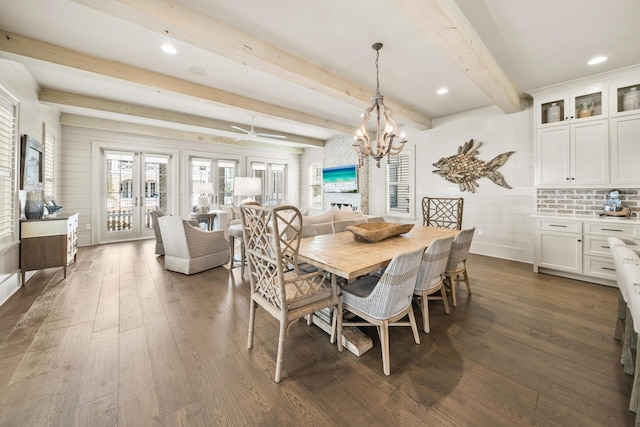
{"x":133,"y":185}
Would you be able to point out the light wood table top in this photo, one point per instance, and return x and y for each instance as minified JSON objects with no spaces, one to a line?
{"x":343,"y":256}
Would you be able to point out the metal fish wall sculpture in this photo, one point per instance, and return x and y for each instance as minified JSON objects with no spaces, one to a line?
{"x":464,"y":168}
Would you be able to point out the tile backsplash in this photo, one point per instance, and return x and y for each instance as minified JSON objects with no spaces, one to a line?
{"x":582,"y":201}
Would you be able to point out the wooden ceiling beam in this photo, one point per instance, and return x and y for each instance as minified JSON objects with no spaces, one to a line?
{"x":196,"y":28}
{"x":53,"y":96}
{"x":31,"y":48}
{"x":446,"y":27}
{"x":75,"y":120}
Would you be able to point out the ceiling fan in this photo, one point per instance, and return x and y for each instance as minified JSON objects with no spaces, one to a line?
{"x":253,"y":134}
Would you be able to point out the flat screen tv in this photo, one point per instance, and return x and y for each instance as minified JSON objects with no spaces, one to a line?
{"x":340,"y":179}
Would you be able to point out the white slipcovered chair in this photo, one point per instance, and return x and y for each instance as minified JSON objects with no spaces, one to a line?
{"x":156,"y":230}
{"x":431,"y":277}
{"x":190,"y":249}
{"x":457,"y":263}
{"x":383,"y":301}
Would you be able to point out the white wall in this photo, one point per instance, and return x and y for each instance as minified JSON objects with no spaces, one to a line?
{"x":77,"y":175}
{"x":33,"y":117}
{"x":501,"y":215}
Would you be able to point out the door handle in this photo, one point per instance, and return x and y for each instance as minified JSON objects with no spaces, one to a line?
{"x":135,"y":203}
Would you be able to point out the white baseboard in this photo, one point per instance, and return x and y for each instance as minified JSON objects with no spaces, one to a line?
{"x":9,"y":287}
{"x":505,"y":252}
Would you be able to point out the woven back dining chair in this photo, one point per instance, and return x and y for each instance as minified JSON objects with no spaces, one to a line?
{"x":442,"y":212}
{"x":457,"y":262}
{"x":383,"y":301}
{"x":431,"y":277}
{"x":271,"y":237}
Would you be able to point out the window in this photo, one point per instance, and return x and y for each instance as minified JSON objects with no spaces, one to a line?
{"x":224,"y":187}
{"x":315,"y":185}
{"x":399,"y":184}
{"x":8,"y":112}
{"x":274,"y":178}
{"x":49,"y":163}
{"x":218,"y":172}
{"x":200,"y":173}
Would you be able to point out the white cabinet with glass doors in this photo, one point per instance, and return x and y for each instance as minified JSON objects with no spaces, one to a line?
{"x":572,"y":140}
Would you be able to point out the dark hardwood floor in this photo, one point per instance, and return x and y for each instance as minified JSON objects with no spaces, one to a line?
{"x":123,"y":342}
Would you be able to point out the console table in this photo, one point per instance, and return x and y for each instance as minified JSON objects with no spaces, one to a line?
{"x":48,"y":242}
{"x":204,"y":217}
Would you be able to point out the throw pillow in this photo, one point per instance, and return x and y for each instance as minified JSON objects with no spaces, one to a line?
{"x":229,"y":211}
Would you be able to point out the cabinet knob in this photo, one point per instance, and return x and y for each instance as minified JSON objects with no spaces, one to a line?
{"x":579,"y":240}
{"x":567,"y":179}
{"x":572,"y":178}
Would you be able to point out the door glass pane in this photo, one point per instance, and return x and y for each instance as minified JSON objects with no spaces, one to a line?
{"x":259,"y":170}
{"x":200,"y":173}
{"x":119,"y":192}
{"x":155,"y":186}
{"x":226,"y":172}
{"x":276,"y":183}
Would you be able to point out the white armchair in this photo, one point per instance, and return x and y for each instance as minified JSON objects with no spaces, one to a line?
{"x":189,"y":249}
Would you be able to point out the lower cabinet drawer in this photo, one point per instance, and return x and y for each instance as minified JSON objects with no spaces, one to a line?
{"x":599,"y":267}
{"x":596,"y":245}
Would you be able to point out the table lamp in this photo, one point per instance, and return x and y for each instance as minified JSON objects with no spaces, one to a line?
{"x":204,"y":189}
{"x":247,"y":187}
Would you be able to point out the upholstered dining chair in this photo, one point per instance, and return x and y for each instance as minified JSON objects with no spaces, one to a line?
{"x":271,"y":238}
{"x":457,"y":262}
{"x":431,"y":277}
{"x":383,"y":301}
{"x":442,"y":212}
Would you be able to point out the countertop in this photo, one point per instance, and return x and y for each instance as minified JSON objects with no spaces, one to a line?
{"x":608,"y":219}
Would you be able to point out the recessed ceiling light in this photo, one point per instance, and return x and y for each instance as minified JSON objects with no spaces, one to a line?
{"x":198,"y":70}
{"x":167,"y":48}
{"x":597,"y":60}
{"x":442,"y":91}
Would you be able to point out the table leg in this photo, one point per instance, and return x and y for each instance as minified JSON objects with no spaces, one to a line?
{"x":622,"y":314}
{"x":627,"y":357}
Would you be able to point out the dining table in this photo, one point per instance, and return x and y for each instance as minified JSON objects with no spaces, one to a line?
{"x":343,"y":256}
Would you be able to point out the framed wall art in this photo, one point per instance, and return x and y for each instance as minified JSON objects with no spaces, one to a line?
{"x":31,"y":164}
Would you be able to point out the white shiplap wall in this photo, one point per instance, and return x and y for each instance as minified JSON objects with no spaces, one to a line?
{"x":77,"y":176}
{"x":501,"y":215}
{"x":33,"y":117}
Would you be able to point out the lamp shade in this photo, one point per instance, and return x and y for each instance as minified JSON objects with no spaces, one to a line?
{"x":247,"y":186}
{"x":203,"y":187}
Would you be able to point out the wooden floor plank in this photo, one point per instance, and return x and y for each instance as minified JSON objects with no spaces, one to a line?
{"x":99,"y":379}
{"x":137,"y":404}
{"x":123,"y":342}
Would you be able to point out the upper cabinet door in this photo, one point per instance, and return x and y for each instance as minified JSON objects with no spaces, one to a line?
{"x":574,"y":106}
{"x":625,"y":149}
{"x":590,"y":153}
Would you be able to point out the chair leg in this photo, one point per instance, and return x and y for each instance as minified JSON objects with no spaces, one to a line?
{"x":424,"y":306}
{"x":280,"y":356}
{"x":414,"y":325}
{"x":242,"y":259}
{"x":445,"y":299}
{"x":466,"y":280}
{"x":252,"y":322}
{"x":452,"y":282}
{"x":339,"y":325}
{"x":384,"y":344}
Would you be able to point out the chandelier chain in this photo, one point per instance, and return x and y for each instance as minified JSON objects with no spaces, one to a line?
{"x":377,"y":70}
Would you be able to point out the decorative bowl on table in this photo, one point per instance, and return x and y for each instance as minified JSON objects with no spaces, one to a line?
{"x":376,"y":231}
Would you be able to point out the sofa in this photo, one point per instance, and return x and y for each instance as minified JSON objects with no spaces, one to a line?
{"x":334,"y":220}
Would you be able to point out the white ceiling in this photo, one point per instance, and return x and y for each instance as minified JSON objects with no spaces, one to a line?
{"x":536,"y":43}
